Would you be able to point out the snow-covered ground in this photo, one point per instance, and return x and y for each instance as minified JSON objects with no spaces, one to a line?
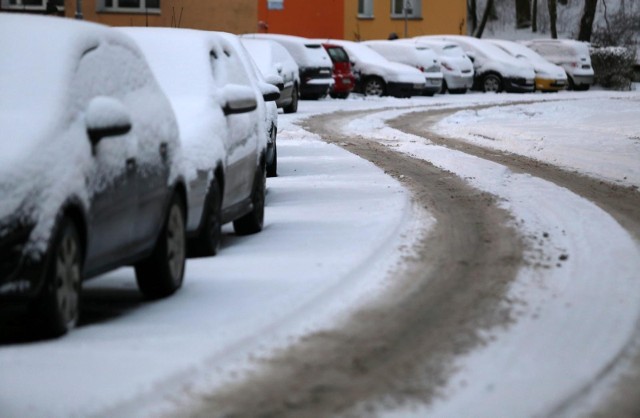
{"x":334,"y":226}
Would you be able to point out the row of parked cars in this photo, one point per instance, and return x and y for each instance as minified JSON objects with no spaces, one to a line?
{"x":123,"y":146}
{"x":426,"y":65}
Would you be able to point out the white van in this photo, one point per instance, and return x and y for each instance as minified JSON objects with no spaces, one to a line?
{"x":571,"y":55}
{"x":416,"y":55}
{"x":377,"y":76}
{"x":315,"y":65}
{"x":457,"y":68}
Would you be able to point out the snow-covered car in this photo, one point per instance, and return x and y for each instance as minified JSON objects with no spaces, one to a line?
{"x":274,"y":60}
{"x":89,"y":167}
{"x":571,"y":55}
{"x":221,"y":117}
{"x":549,"y":77}
{"x":494,"y":69}
{"x":313,"y":61}
{"x":344,"y":80}
{"x":416,"y":55}
{"x":377,"y":76}
{"x":457,"y":68}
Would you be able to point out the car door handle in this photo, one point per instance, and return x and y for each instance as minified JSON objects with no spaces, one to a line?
{"x":131,"y":164}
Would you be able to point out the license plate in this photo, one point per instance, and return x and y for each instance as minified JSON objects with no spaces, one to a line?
{"x":346,"y":81}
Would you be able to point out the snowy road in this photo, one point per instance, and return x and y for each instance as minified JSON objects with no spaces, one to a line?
{"x":474,"y":278}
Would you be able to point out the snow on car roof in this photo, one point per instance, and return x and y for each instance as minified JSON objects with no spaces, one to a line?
{"x":516,"y":49}
{"x":306,"y":52}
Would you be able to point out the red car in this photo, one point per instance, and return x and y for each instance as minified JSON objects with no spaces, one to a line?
{"x":344,"y":80}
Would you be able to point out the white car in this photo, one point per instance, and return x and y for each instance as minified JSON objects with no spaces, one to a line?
{"x":456,"y":66}
{"x":549,"y":77}
{"x":377,"y":76}
{"x":90,"y":167}
{"x":221,"y":116}
{"x":416,"y":55}
{"x":274,"y":60}
{"x":313,"y":61}
{"x":571,"y":55}
{"x":495,"y":70}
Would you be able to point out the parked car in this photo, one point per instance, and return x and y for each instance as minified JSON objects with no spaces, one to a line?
{"x":377,"y":76}
{"x":274,"y":60}
{"x":571,"y":55}
{"x":457,"y":68}
{"x":495,"y":70}
{"x":89,"y":167}
{"x":221,"y":117}
{"x":416,"y":55}
{"x":549,"y":77}
{"x":344,"y":80}
{"x":313,"y":61}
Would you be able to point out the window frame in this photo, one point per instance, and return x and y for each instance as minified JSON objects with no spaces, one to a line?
{"x":102,"y":7}
{"x":416,"y":9}
{"x":367,"y":9}
{"x":6,"y":5}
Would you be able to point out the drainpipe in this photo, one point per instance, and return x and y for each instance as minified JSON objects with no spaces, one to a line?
{"x":78,"y":14}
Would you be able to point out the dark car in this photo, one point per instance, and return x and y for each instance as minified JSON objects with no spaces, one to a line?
{"x":344,"y":80}
{"x":89,"y":175}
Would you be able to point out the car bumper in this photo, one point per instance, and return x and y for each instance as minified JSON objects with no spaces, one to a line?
{"x":432,"y":86}
{"x":316,"y":88}
{"x":457,"y":82}
{"x":343,"y":84}
{"x":404,"y":89}
{"x":582,"y":80}
{"x":519,"y":85}
{"x":550,"y":84}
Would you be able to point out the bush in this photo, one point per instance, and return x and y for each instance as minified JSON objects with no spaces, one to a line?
{"x":613,"y":66}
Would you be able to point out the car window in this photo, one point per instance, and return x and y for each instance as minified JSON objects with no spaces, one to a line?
{"x":338,"y":54}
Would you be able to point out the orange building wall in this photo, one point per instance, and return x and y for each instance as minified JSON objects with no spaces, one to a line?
{"x":237,"y":16}
{"x":438,"y":17}
{"x":308,"y":18}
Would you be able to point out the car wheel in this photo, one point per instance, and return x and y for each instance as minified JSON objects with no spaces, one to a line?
{"x":208,"y":241}
{"x":272,"y":165}
{"x":162,"y":272}
{"x":492,"y":83}
{"x":252,"y":222}
{"x":339,"y":95}
{"x":293,"y":106}
{"x":443,"y":88}
{"x":59,"y":302}
{"x":374,"y":86}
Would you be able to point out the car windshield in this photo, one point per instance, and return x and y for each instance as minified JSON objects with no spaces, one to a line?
{"x":337,"y":54}
{"x":452,"y":51}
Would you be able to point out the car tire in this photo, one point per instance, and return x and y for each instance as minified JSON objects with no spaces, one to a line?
{"x":207,"y":243}
{"x":58,"y":306}
{"x":272,"y":166}
{"x":491,"y":83}
{"x":161,"y":274}
{"x":339,"y":95}
{"x":293,"y":106}
{"x":443,"y":88}
{"x":253,"y":221}
{"x":458,"y":91}
{"x":374,"y":86}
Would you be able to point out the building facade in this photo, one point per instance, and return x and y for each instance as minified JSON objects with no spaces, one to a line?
{"x":340,"y":19}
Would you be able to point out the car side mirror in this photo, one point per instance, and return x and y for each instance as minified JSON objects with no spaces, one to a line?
{"x":271,"y":92}
{"x":106,"y":116}
{"x":275,"y":80}
{"x":238,"y":99}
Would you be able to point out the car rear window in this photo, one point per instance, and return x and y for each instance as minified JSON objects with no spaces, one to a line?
{"x":338,"y":54}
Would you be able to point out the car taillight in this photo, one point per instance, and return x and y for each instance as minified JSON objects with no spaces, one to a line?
{"x":421,"y":68}
{"x":574,"y":64}
{"x":447,"y":66}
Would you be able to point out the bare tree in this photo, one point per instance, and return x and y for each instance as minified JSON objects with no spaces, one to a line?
{"x":523,"y":14}
{"x":553,"y":17}
{"x":534,"y":16}
{"x":472,"y":14}
{"x":586,"y":23}
{"x":485,"y":16}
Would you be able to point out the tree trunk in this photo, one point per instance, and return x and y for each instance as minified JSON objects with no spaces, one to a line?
{"x":485,"y":17}
{"x":534,"y":16}
{"x":473,"y":14}
{"x":553,"y":17}
{"x":586,"y":23}
{"x":523,"y":14}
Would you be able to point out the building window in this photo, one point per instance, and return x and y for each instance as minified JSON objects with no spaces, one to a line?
{"x":275,"y":4}
{"x":30,"y":4}
{"x":365,"y":8}
{"x":130,"y":5}
{"x":412,"y":8}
